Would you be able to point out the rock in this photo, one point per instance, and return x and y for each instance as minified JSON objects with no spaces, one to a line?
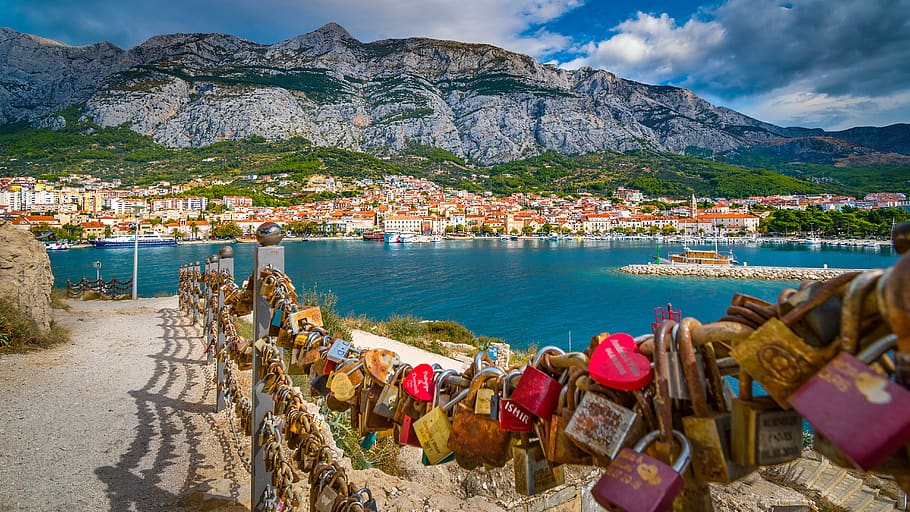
{"x":25,"y":274}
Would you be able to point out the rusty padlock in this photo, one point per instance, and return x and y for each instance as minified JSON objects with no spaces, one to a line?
{"x":537,"y":391}
{"x":391,"y":393}
{"x":560,"y":448}
{"x":636,"y":482}
{"x":476,"y":439}
{"x":779,"y":359}
{"x":600,"y":426}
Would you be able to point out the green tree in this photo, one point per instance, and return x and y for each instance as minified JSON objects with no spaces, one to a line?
{"x":194,"y":229}
{"x":227,"y":230}
{"x":72,"y":232}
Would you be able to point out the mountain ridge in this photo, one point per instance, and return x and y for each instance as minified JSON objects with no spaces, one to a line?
{"x":477,"y":101}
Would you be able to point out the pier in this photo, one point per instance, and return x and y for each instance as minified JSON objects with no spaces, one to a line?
{"x":737,"y":272}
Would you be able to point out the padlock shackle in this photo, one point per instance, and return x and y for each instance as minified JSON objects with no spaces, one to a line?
{"x":894,"y":306}
{"x":685,"y":453}
{"x":567,"y":360}
{"x":827,"y":289}
{"x":544,"y":351}
{"x":479,"y":379}
{"x":875,"y":350}
{"x":690,"y":366}
{"x":852,"y":308}
{"x":662,"y":378}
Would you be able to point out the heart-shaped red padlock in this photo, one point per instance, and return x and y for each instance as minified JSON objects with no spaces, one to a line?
{"x":617,"y":363}
{"x":419,"y":382}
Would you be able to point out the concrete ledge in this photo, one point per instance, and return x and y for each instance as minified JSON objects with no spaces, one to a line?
{"x":736,"y":272}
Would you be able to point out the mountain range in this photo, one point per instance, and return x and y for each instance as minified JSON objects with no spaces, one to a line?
{"x":477,"y":101}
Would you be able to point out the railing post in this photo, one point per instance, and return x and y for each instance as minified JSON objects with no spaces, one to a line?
{"x":226,"y":266}
{"x":211,"y":266}
{"x":265,"y":255}
{"x":196,"y":268}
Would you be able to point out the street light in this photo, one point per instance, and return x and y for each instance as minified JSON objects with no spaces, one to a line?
{"x":136,"y":255}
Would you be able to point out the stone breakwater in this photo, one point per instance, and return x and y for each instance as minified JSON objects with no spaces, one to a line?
{"x":736,"y":272}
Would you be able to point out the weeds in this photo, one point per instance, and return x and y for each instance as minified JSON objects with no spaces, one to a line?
{"x":19,"y":333}
{"x":58,"y":299}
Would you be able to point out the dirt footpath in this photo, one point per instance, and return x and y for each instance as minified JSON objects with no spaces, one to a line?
{"x":120,"y":419}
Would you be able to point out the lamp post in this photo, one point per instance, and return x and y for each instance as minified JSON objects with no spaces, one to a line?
{"x":136,"y":255}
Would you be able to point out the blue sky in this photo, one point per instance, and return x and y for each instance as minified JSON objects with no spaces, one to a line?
{"x":831,"y":64}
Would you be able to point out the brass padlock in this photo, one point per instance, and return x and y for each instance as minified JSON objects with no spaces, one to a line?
{"x":391,"y":394}
{"x":762,"y":432}
{"x":369,"y":420}
{"x":533,"y":472}
{"x":434,"y":428}
{"x":708,"y":432}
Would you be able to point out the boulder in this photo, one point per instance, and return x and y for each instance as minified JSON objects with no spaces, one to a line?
{"x":25,"y":274}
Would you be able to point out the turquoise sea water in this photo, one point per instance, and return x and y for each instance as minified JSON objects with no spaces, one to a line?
{"x":524,"y":291}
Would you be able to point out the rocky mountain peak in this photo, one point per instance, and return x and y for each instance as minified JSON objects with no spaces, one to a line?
{"x":475,"y":100}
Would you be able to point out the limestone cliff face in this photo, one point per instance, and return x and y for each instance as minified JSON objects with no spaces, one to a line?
{"x":477,"y":101}
{"x":25,"y":274}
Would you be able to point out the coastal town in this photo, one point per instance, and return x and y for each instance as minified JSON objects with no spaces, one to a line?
{"x":91,"y":209}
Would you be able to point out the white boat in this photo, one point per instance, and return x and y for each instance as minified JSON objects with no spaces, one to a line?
{"x":398,"y":237}
{"x":145,"y":240}
{"x":57,"y":246}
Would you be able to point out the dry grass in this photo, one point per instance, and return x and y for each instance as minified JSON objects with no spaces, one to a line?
{"x":19,"y":333}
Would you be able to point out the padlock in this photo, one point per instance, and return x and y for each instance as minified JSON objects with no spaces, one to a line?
{"x":779,"y":359}
{"x":560,"y":448}
{"x":419,"y":382}
{"x":512,"y":416}
{"x":391,"y":393}
{"x":762,"y":433}
{"x":893,"y":294}
{"x":533,"y":472}
{"x":369,"y":504}
{"x":842,"y":399}
{"x":434,"y":428}
{"x":476,"y":439}
{"x":338,"y":350}
{"x":537,"y":391}
{"x":679,"y":387}
{"x":346,"y":380}
{"x":379,"y":362}
{"x":369,"y":420}
{"x":600,"y":426}
{"x":636,"y":482}
{"x":616,"y":362}
{"x":406,"y":433}
{"x":708,"y":432}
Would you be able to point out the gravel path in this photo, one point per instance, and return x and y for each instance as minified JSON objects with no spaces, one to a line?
{"x":117,"y":420}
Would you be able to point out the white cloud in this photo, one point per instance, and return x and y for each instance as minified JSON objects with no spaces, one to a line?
{"x":807,"y":62}
{"x":797,"y":105}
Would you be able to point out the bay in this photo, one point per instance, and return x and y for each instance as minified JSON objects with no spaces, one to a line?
{"x":524,"y":291}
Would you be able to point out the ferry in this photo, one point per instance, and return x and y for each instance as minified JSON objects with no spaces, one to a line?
{"x":145,"y":240}
{"x":702,"y":257}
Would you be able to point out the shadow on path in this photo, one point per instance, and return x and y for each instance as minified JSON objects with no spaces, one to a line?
{"x":163,"y":459}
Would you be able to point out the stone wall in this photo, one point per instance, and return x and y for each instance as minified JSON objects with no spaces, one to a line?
{"x":25,"y":273}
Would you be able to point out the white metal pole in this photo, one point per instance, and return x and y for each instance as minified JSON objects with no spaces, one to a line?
{"x":136,"y":258}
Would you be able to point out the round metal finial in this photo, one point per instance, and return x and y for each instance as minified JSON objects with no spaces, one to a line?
{"x":269,"y":233}
{"x":197,"y":263}
{"x":215,"y":258}
{"x":226,"y":252}
{"x":900,"y":236}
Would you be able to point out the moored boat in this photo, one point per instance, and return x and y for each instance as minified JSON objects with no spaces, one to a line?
{"x":702,"y":257}
{"x":57,"y":246}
